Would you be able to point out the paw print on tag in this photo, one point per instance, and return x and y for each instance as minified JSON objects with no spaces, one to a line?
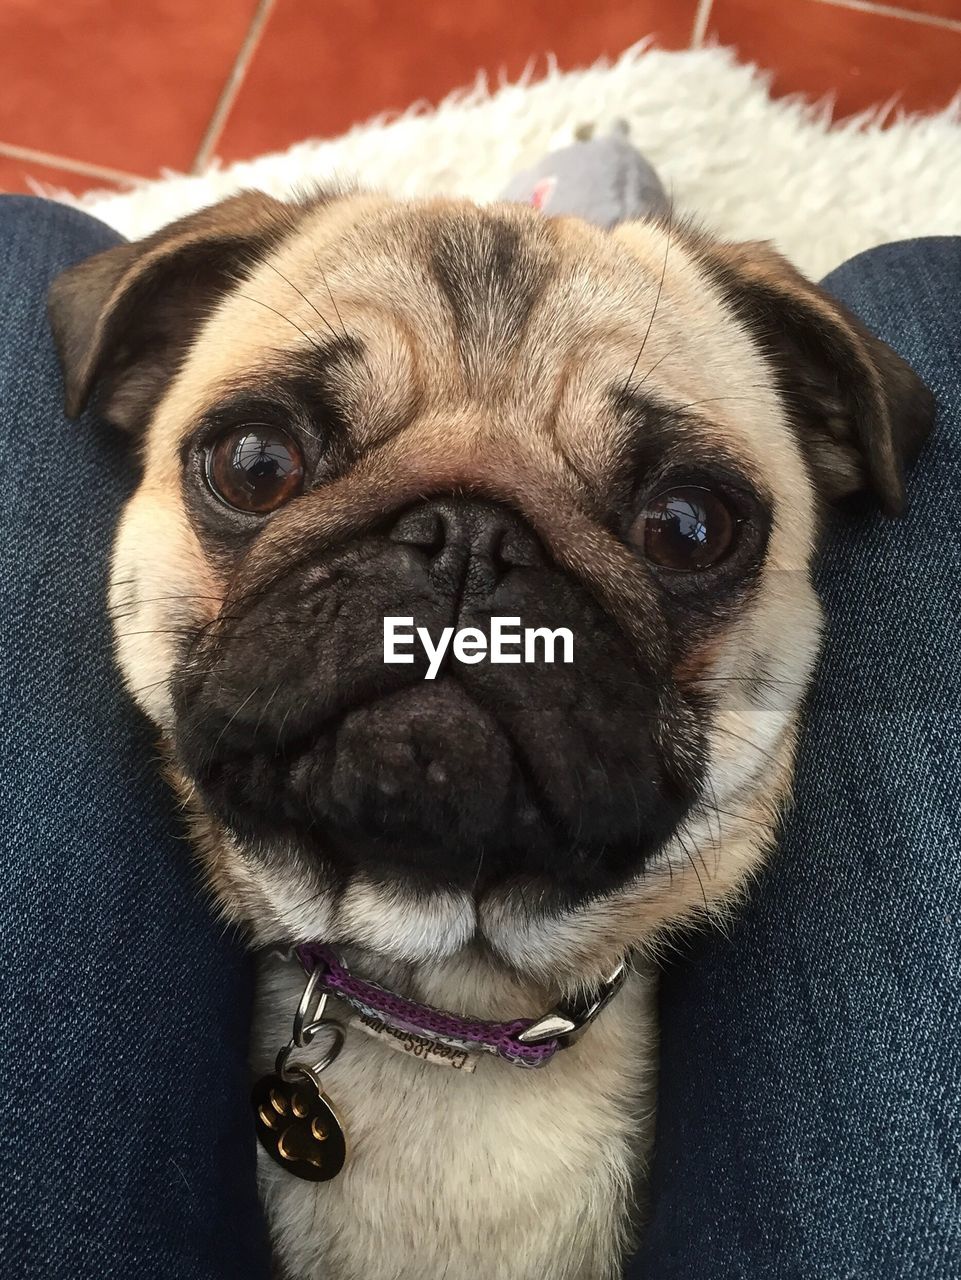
{"x":297,"y":1126}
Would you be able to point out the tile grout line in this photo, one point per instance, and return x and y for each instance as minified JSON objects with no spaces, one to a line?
{"x":894,"y":11}
{"x":701,"y":19}
{"x":232,"y":86}
{"x":88,"y":170}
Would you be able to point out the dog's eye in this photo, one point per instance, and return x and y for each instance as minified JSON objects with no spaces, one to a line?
{"x":255,"y":468}
{"x":685,"y":529}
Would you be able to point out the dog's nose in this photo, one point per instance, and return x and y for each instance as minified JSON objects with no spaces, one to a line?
{"x":468,"y":539}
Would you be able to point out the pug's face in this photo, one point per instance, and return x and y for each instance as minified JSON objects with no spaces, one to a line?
{"x":354,"y":409}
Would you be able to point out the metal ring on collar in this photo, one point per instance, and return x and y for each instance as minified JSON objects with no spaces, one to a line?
{"x":312,"y":1069}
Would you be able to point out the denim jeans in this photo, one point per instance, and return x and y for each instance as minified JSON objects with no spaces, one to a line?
{"x":125,"y":1147}
{"x":810,"y":1104}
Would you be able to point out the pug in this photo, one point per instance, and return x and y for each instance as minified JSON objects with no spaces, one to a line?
{"x":349,"y":409}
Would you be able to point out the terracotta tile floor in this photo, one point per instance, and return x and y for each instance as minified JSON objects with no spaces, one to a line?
{"x":94,"y":92}
{"x":309,"y":72}
{"x":860,"y":56}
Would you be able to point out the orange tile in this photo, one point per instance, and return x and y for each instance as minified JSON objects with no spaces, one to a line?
{"x":16,"y":175}
{"x":129,"y":84}
{"x":323,"y":67}
{"x":863,"y":58}
{"x":934,"y":8}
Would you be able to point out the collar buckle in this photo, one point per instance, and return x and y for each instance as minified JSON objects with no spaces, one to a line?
{"x":567,"y":1022}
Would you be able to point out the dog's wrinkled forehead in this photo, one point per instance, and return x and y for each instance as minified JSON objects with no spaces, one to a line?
{"x":518,"y":327}
{"x":482,"y":334}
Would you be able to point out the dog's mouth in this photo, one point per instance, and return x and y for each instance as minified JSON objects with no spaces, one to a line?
{"x":422,"y":782}
{"x":435,"y":784}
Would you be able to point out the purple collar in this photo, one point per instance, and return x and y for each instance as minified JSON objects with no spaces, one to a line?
{"x":524,"y":1042}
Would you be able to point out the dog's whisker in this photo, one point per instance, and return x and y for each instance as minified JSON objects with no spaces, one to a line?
{"x":333,"y":301}
{"x":156,"y":631}
{"x":293,"y":324}
{"x":140,"y":690}
{"x":626,"y":389}
{"x":240,"y":706}
{"x":694,"y":404}
{"x":319,"y":314}
{"x":263,"y":709}
{"x":477,"y":871}
{"x":715,"y":841}
{"x":697,"y":873}
{"x":743,"y":817}
{"x":654,"y":366}
{"x":760,"y":681}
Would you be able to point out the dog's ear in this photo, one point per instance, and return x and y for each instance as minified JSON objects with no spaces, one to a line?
{"x":125,"y":319}
{"x":860,"y":411}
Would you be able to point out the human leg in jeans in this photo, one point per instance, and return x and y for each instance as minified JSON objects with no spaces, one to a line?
{"x":125,"y":1143}
{"x":810,"y":1102}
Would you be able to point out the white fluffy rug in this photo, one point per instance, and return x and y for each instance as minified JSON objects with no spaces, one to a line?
{"x":747,"y":166}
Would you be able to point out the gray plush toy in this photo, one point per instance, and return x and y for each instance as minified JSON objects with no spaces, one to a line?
{"x":603,"y":180}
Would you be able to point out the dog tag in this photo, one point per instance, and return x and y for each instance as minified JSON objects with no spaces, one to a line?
{"x":297,"y":1126}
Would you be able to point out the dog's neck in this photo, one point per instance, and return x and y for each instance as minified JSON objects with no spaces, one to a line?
{"x":566,"y":1141}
